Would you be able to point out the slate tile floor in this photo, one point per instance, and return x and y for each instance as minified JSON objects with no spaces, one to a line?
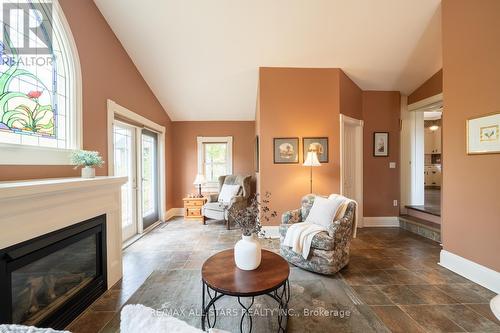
{"x":394,"y":274}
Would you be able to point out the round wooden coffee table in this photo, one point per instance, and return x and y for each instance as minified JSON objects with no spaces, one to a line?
{"x":221,"y":277}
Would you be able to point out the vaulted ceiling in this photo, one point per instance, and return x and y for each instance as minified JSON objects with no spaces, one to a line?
{"x":201,"y":58}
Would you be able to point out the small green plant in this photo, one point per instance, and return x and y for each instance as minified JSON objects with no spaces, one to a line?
{"x":86,"y":158}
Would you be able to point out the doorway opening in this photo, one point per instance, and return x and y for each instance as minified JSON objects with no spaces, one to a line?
{"x":351,"y":161}
{"x":422,"y":170}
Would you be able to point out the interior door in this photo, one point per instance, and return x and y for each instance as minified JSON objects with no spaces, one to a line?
{"x":124,"y":142}
{"x":150,"y":177}
{"x":349,"y":167}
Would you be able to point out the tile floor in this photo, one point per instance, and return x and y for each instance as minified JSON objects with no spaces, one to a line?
{"x":392,"y":271}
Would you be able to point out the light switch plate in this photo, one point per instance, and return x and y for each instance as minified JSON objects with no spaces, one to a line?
{"x":395,"y":203}
{"x":392,"y":165}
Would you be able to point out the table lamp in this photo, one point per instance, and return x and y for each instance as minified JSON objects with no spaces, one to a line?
{"x":199,"y":180}
{"x":311,"y":161}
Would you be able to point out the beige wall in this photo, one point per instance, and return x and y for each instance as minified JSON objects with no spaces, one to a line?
{"x":297,"y":102}
{"x":107,"y":72}
{"x":431,"y":87}
{"x":185,"y":151}
{"x":380,"y":183}
{"x":471,"y":82}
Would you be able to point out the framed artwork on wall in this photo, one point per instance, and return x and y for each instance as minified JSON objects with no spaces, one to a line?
{"x":317,"y":144}
{"x":286,"y":150}
{"x":380,"y":144}
{"x":483,"y":134}
{"x":257,"y":153}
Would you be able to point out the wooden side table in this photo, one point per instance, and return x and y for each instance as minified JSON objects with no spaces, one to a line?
{"x":192,"y":209}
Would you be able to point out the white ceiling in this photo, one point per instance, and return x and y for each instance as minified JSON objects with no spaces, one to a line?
{"x":201,"y":57}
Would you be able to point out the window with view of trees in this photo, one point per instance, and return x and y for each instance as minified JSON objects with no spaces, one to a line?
{"x":214,"y":159}
{"x":215,"y":163}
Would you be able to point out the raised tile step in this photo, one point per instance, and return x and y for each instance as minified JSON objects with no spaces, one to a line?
{"x":421,"y":227}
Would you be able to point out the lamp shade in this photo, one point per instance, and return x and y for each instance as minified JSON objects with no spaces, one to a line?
{"x":199,"y":180}
{"x":312,"y":159}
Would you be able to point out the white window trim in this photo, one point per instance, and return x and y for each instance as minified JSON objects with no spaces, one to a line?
{"x":18,"y":154}
{"x":214,"y":186}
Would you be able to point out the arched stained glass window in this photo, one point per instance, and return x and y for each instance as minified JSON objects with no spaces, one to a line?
{"x":39,"y":100}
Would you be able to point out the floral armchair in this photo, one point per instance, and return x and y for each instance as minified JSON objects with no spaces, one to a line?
{"x":329,"y":250}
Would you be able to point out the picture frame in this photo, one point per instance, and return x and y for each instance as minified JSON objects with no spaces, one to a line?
{"x":257,"y":154}
{"x":286,"y":150}
{"x":483,"y":134}
{"x":318,"y":144}
{"x":380,"y":144}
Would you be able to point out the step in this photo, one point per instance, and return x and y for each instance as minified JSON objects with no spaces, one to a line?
{"x":424,"y":228}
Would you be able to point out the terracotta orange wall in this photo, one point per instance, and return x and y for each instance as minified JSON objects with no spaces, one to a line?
{"x":431,"y":87}
{"x":185,"y":151}
{"x":381,"y":111}
{"x":297,"y":102}
{"x":351,"y":100}
{"x":107,"y":72}
{"x":471,"y":82}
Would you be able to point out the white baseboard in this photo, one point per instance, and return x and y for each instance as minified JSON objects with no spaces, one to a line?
{"x":477,"y":273}
{"x":380,"y":221}
{"x":173,"y":212}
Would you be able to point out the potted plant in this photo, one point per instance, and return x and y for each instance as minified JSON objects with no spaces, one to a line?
{"x":89,"y":160}
{"x":247,"y":251}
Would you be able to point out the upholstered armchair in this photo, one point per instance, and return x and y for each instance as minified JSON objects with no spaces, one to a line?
{"x":214,"y":209}
{"x":329,"y":249}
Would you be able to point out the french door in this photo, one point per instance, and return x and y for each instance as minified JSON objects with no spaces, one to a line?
{"x":136,"y":157}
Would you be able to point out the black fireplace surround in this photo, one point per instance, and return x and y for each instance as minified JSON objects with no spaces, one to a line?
{"x":49,"y":280}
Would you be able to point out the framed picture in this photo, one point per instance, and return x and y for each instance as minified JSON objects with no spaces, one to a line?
{"x":257,"y":153}
{"x":380,"y":144}
{"x":483,"y":134}
{"x":319,"y":145}
{"x":286,"y":150}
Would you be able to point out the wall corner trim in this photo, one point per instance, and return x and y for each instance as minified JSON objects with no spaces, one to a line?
{"x":381,"y":221}
{"x":477,"y":273}
{"x":173,"y":212}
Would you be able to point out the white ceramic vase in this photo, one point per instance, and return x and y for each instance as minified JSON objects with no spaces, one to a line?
{"x":88,"y":172}
{"x":247,"y":253}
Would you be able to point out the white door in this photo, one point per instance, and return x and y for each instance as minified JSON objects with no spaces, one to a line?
{"x":125,"y":164}
{"x":352,"y":162}
{"x":149,"y":174}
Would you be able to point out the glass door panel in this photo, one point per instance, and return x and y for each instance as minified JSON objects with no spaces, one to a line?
{"x":149,"y":163}
{"x":125,"y":165}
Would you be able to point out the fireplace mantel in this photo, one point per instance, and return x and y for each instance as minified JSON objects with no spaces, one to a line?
{"x":32,"y":208}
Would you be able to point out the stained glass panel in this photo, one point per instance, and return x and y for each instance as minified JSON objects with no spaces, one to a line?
{"x":33,"y":88}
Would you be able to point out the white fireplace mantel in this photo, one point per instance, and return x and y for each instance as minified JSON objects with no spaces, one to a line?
{"x":32,"y":208}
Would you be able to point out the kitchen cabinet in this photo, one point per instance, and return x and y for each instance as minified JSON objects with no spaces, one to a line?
{"x":432,"y":141}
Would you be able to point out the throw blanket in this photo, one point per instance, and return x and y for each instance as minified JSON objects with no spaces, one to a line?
{"x":299,"y":236}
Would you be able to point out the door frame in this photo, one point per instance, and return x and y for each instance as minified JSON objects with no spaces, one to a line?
{"x":113,"y":110}
{"x":412,"y":150}
{"x":358,"y":125}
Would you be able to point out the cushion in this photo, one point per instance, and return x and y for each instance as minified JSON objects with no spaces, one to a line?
{"x":323,"y":211}
{"x":139,"y":318}
{"x":227,"y":192}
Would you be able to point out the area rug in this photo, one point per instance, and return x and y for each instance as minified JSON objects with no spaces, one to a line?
{"x":318,"y":304}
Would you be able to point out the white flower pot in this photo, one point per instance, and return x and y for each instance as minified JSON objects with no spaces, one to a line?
{"x":247,"y":253}
{"x":88,"y":172}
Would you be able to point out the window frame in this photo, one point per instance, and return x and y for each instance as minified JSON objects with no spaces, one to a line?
{"x":214,"y":186}
{"x":19,"y":154}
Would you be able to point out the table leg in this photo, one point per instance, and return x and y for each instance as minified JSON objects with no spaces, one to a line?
{"x":247,"y":314}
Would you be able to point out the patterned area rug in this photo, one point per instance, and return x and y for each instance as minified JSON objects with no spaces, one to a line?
{"x":317,"y":304}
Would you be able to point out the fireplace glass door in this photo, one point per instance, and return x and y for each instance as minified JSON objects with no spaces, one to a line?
{"x":43,"y":285}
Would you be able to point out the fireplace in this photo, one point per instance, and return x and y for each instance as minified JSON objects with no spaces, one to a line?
{"x":49,"y":280}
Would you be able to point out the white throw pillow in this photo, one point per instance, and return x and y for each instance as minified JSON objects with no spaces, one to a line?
{"x":323,"y":211}
{"x":227,"y":192}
